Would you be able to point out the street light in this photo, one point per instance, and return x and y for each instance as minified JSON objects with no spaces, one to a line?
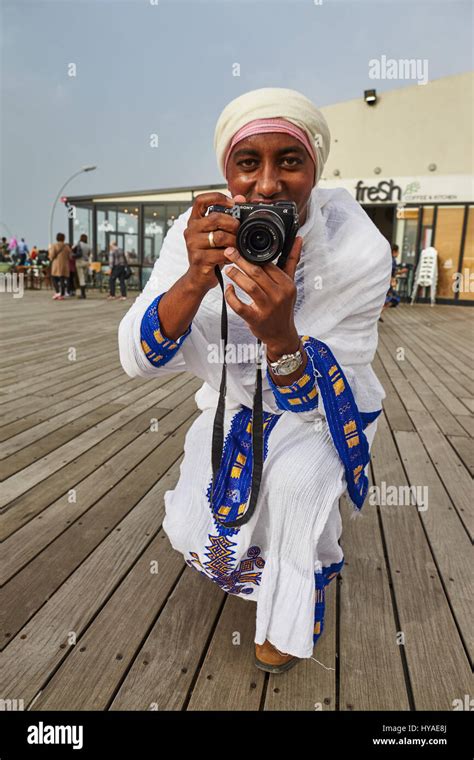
{"x":9,"y":232}
{"x":76,"y":174}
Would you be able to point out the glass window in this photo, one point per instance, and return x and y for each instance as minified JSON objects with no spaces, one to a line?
{"x":447,"y":241}
{"x":154,"y":231}
{"x":407,"y":227}
{"x":466,"y":285}
{"x":426,"y":227}
{"x":157,"y":222}
{"x":127,"y":232}
{"x":82,"y":223}
{"x":106,"y":225}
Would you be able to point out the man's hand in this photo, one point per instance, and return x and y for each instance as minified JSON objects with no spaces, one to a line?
{"x":270,"y":316}
{"x":202,"y":256}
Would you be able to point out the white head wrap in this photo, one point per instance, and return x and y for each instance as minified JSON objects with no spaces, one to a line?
{"x":273,"y":102}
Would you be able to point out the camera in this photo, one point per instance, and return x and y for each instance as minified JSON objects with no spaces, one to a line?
{"x":266,"y":232}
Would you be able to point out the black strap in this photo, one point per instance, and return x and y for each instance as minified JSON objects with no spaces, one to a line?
{"x":218,"y":429}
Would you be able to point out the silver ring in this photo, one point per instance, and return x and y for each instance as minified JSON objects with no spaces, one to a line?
{"x":211,"y":239}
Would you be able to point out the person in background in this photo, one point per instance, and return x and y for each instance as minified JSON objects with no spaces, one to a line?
{"x":71,"y":278}
{"x":392,"y":298}
{"x":23,"y":252}
{"x":117,"y":263}
{"x":13,"y":248}
{"x":4,"y":252}
{"x":34,"y":253}
{"x":59,"y":255}
{"x":82,"y":253}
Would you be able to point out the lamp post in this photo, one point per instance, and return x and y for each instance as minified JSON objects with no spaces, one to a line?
{"x":9,"y":232}
{"x":76,"y":174}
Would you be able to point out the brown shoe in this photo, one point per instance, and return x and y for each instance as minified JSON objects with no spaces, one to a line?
{"x":269,"y":658}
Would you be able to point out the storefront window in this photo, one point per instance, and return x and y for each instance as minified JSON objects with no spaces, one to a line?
{"x":426,"y":227}
{"x":157,"y":222}
{"x":466,"y":279}
{"x":106,"y":225}
{"x":447,"y":242}
{"x":407,"y":227}
{"x":82,"y":223}
{"x":118,"y":224}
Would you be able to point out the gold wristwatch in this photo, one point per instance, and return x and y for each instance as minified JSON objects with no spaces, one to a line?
{"x":287,"y":364}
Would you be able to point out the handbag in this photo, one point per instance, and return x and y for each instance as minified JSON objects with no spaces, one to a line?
{"x":127,"y":272}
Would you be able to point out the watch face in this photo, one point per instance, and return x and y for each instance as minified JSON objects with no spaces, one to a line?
{"x":288,"y":366}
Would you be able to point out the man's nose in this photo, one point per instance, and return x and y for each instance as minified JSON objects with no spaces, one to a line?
{"x":268,"y":180}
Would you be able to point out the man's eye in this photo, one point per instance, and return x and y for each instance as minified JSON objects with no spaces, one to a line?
{"x":246,"y":161}
{"x":292,"y":158}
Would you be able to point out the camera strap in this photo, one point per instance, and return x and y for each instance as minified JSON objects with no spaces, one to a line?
{"x":218,"y":428}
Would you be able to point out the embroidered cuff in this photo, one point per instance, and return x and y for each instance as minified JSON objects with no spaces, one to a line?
{"x":157,"y":348}
{"x":302,"y":395}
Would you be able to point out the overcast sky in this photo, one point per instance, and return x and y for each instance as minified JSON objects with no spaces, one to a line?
{"x":166,"y":67}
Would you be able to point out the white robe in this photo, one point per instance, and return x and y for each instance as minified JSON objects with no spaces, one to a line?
{"x":296,"y":524}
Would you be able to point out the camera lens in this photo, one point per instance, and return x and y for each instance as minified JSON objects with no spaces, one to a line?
{"x":259,"y":239}
{"x":261,"y":236}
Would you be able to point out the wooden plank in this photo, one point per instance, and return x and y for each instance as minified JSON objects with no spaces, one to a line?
{"x":88,"y":678}
{"x":79,"y":411}
{"x":42,"y":645}
{"x":164,"y":670}
{"x":370,"y":658}
{"x":34,"y":473}
{"x":228,"y":675}
{"x":394,"y":408}
{"x":26,"y":543}
{"x":451,"y":469}
{"x":464,"y":448}
{"x":27,"y":591}
{"x":54,"y":486}
{"x":430,"y":401}
{"x":39,"y":449}
{"x":437,"y":662}
{"x":447,"y":371}
{"x":36,"y":408}
{"x":448,"y":541}
{"x":467,"y":424}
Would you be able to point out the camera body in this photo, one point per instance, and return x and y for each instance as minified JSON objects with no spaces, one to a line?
{"x":266,"y":232}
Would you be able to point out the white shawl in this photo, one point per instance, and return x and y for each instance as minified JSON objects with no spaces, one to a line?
{"x":342,"y":279}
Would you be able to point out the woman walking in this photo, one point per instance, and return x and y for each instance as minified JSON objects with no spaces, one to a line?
{"x":59,"y":255}
{"x":317,"y":319}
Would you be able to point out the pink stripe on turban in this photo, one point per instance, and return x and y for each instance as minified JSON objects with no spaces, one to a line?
{"x":261,"y":126}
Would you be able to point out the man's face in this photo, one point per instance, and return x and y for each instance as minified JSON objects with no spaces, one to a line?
{"x":271,"y":167}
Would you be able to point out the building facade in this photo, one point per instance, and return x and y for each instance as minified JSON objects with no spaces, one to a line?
{"x":407,"y":159}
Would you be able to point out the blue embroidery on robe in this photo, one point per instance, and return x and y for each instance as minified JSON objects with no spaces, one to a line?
{"x":345,"y":422}
{"x":233,"y":481}
{"x":231,"y":493}
{"x":219,"y":568}
{"x":157,"y":348}
{"x":322,"y":579}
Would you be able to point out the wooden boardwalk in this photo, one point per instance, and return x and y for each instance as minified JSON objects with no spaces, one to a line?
{"x":88,"y":625}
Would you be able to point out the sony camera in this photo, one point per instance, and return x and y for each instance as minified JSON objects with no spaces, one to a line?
{"x":266,"y":232}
